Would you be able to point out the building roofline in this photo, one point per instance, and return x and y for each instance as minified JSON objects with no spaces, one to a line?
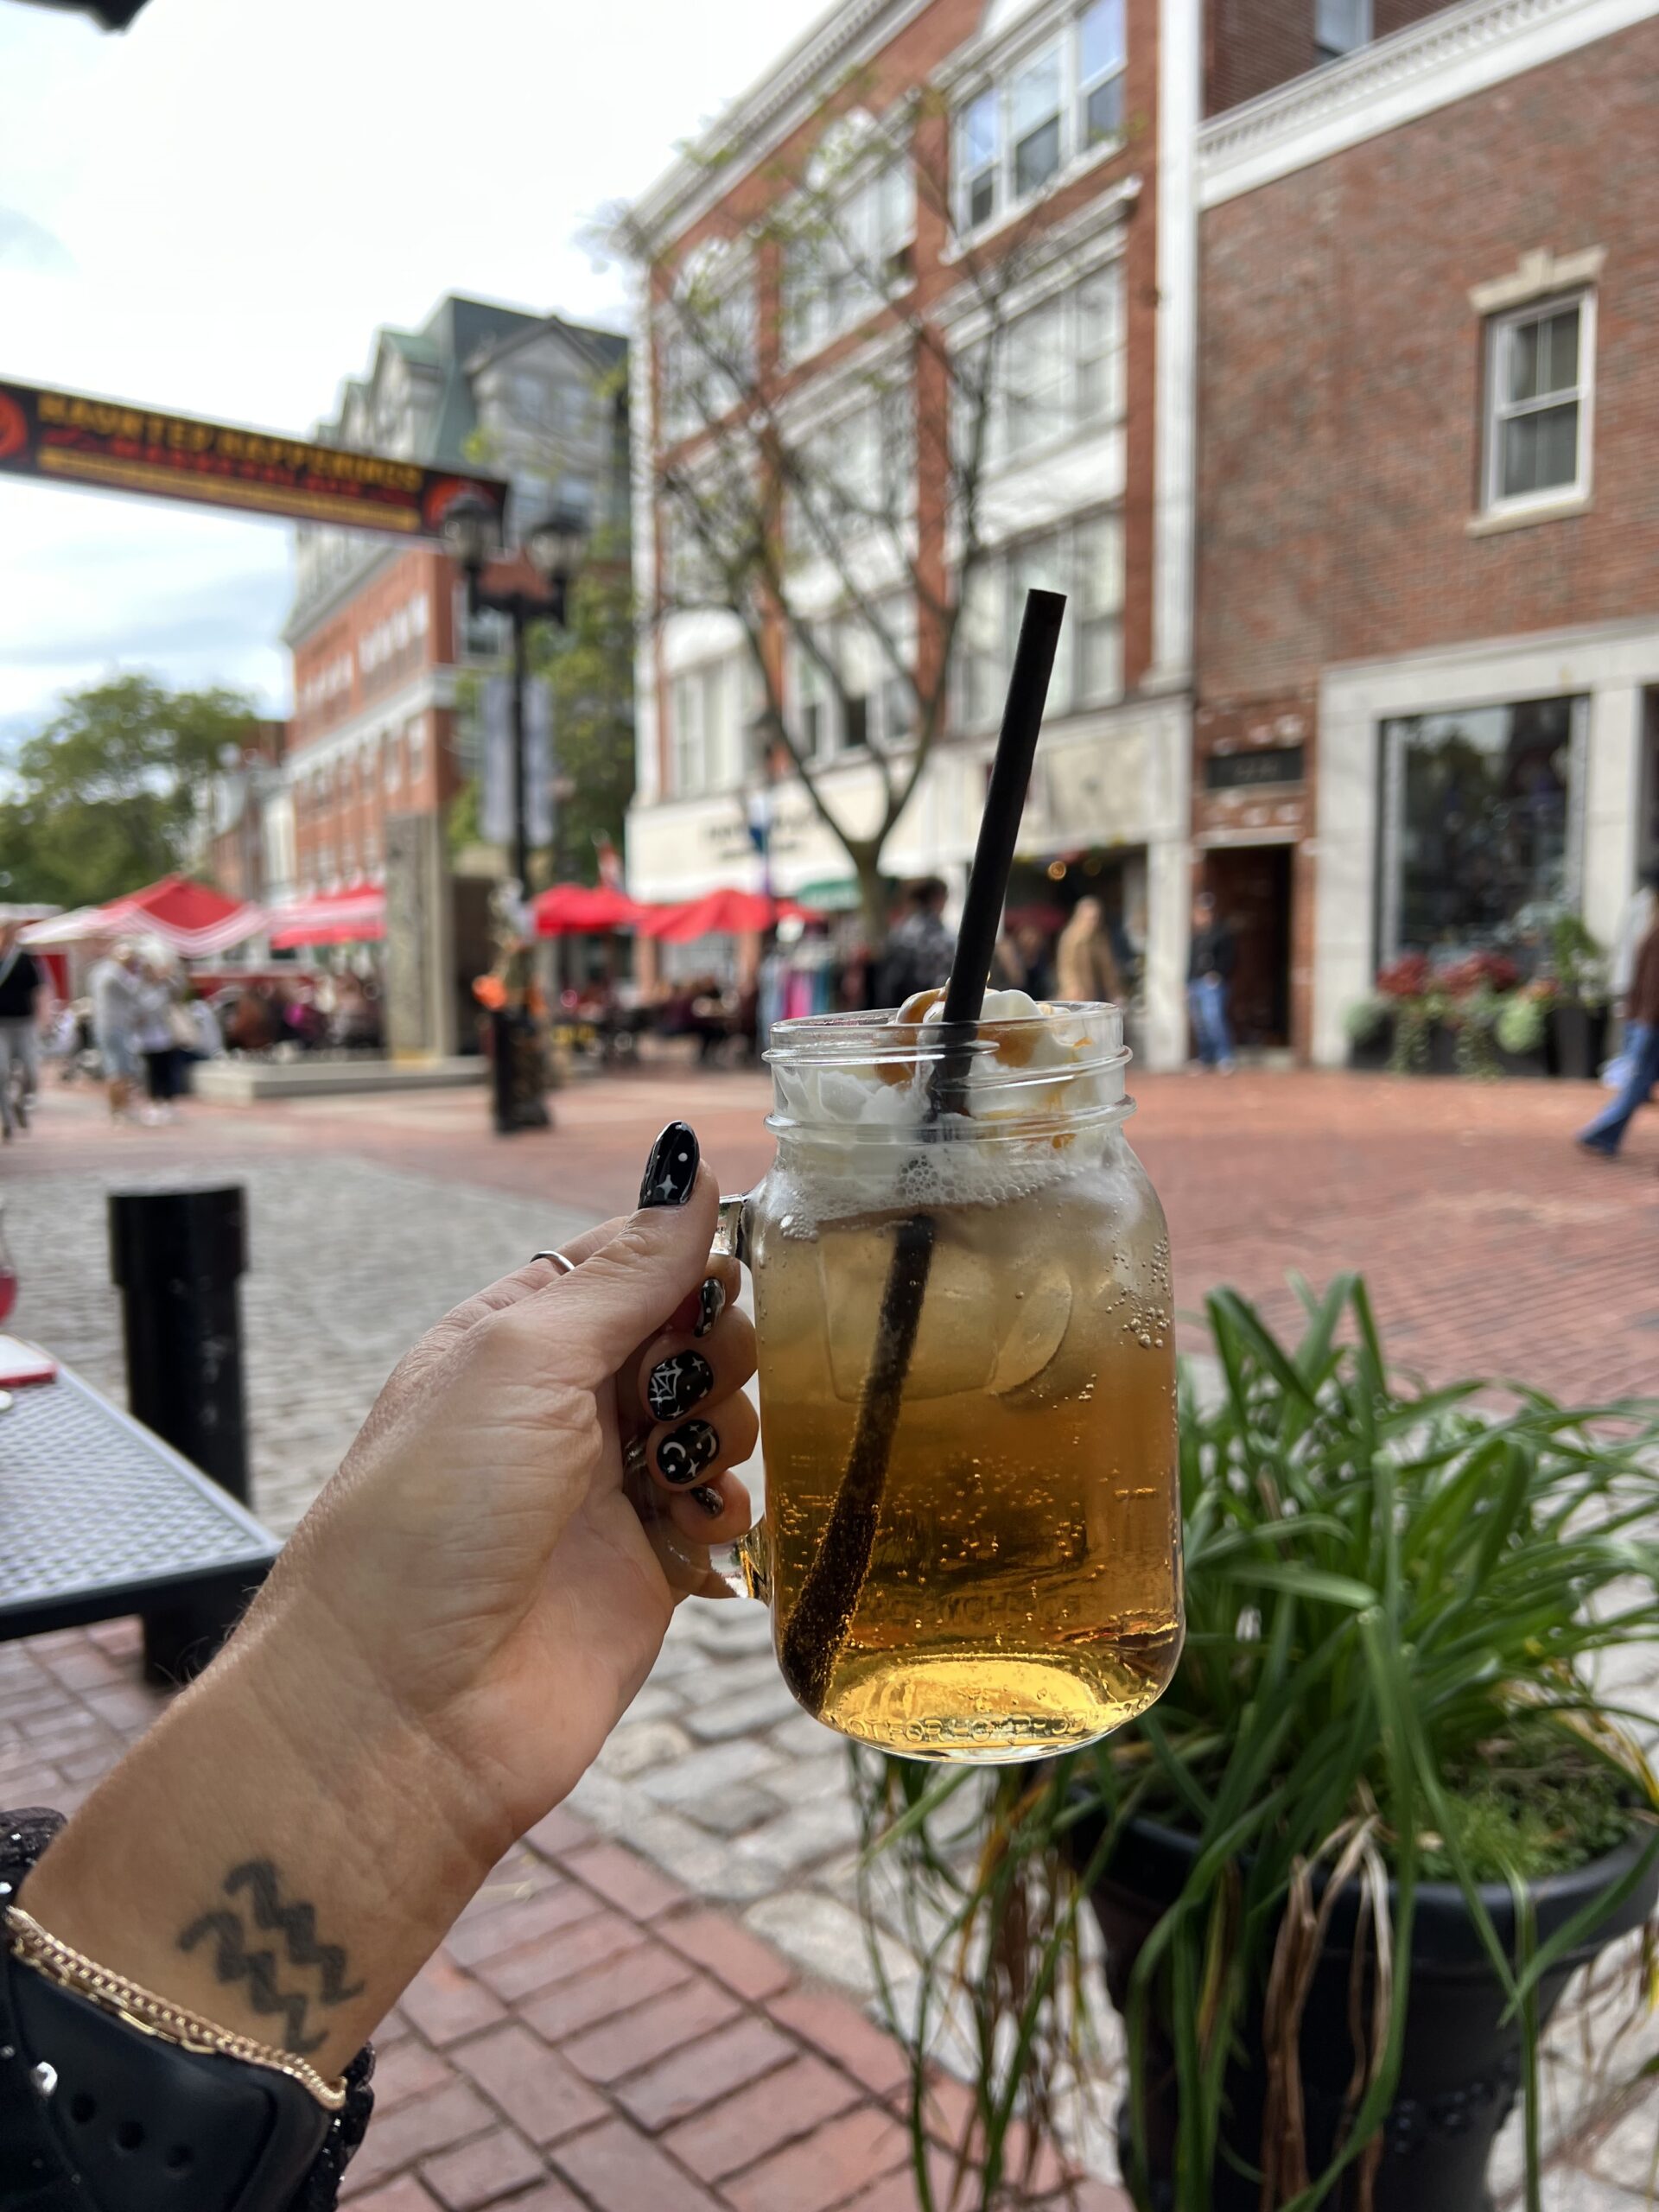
{"x":1430,"y":64}
{"x":759,"y":116}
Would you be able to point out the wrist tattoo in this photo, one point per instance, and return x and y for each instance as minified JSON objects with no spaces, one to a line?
{"x":297,"y":1926}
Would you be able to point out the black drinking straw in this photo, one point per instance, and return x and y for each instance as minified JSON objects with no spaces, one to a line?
{"x":822,"y":1613}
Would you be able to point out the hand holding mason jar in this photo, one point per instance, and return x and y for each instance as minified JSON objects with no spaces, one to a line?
{"x":1007,"y":1583}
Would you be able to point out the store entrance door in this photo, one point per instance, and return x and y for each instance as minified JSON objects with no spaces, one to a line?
{"x":1252,"y":887}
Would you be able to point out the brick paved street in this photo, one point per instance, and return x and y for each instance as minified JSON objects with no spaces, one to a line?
{"x":1491,"y":1246}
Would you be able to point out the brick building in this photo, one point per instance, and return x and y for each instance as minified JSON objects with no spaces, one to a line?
{"x":244,"y":823}
{"x":378,"y":631}
{"x":1428,"y":568}
{"x":978,"y":127}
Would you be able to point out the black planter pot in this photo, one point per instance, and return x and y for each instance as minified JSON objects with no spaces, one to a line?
{"x":1577,"y":1040}
{"x":1533,"y":1064}
{"x":1461,"y":2067}
{"x":1372,"y":1051}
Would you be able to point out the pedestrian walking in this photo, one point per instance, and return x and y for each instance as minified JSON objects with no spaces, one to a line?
{"x":158,"y":1041}
{"x":1085,"y":967}
{"x":113,"y":985}
{"x":1209,"y":963}
{"x":20,"y":991}
{"x":1606,"y":1131}
{"x":920,"y":946}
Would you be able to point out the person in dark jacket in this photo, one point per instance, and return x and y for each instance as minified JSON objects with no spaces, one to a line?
{"x":1210,"y":965}
{"x":920,"y":946}
{"x":1605,"y":1133}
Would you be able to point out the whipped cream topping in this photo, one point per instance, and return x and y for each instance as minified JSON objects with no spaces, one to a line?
{"x":1039,"y":1076}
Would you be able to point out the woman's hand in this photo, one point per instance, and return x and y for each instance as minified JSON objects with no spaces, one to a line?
{"x":441,"y":1649}
{"x":477,"y":1555}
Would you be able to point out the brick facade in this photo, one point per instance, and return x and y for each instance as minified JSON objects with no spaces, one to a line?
{"x":1251,"y":46}
{"x":373,"y":652}
{"x":1341,"y":395}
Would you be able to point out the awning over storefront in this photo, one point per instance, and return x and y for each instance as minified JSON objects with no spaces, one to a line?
{"x":191,"y":921}
{"x":355,"y":915}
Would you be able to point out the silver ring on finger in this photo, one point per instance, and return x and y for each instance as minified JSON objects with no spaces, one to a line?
{"x":558,"y":1260}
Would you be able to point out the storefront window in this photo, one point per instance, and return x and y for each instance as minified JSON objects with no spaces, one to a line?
{"x":1480,"y":824}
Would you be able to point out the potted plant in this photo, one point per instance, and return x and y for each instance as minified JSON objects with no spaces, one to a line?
{"x":1368,"y":1025}
{"x":1346,"y":1867}
{"x":1520,"y":1031}
{"x":1579,"y":1014}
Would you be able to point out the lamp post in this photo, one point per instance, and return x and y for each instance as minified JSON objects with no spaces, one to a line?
{"x":554,"y":548}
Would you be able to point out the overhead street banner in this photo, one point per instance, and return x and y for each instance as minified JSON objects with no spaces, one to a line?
{"x":70,"y":437}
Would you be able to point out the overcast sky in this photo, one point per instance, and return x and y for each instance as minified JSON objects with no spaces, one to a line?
{"x":213,"y":212}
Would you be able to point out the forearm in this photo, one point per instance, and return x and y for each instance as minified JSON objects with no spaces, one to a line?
{"x":281,"y":1853}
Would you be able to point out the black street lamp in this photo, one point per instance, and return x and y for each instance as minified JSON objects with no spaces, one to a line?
{"x":554,"y":548}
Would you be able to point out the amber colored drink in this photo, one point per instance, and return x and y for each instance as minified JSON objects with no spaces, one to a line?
{"x":1023,"y":1595}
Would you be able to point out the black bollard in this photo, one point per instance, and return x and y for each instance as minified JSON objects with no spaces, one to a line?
{"x":176,"y":1257}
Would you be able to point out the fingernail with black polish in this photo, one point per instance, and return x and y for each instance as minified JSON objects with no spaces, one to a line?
{"x":711,"y":1304}
{"x":676,"y":1383}
{"x":671,"y":1171}
{"x":686,"y":1450}
{"x":710,"y":1500}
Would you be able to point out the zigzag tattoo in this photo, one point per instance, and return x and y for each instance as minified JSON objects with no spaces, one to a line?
{"x":298,"y":1925}
{"x":258,"y":1969}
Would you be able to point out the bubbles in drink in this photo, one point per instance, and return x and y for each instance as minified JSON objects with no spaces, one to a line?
{"x":1023,"y":1595}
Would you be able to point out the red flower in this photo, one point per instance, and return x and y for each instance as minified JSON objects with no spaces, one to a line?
{"x":1407,"y":977}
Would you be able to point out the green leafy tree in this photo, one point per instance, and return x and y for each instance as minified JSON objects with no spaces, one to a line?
{"x":103,"y":799}
{"x":589,"y":668}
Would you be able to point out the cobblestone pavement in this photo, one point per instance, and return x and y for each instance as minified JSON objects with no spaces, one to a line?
{"x":591,"y":2036}
{"x":1490,"y":1245}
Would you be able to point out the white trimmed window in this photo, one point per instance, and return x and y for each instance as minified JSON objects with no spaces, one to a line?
{"x":870,"y":703}
{"x":1341,"y":27}
{"x":416,"y":735}
{"x":1540,"y":378}
{"x":1054,"y":104}
{"x":846,"y":257}
{"x":702,"y":715}
{"x":1085,"y":561}
{"x":1057,"y":370}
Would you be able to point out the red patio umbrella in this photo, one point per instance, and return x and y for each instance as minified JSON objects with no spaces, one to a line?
{"x":356,"y":916}
{"x":723,"y":913}
{"x":570,"y":909}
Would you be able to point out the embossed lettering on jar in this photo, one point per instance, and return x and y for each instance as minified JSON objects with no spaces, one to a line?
{"x":1024,"y":1591}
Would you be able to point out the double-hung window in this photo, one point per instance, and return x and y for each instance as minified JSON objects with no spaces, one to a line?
{"x":1101,"y":55}
{"x":1050,"y":106}
{"x":978,"y":155}
{"x":1538,"y":365}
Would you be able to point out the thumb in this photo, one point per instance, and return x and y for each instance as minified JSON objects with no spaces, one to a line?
{"x":625,"y":1291}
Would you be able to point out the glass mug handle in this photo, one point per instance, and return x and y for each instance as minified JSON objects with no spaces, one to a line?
{"x":695,"y":1569}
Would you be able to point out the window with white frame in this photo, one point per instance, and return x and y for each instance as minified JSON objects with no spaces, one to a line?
{"x":846,"y":256}
{"x":854,"y":474}
{"x":1057,"y":372}
{"x":1540,"y":374}
{"x":870,"y":700}
{"x":1102,"y":56}
{"x":1085,"y":561}
{"x":1053,"y":105}
{"x":705,"y":342}
{"x":704,"y":737}
{"x":1341,"y":27}
{"x":416,"y":737}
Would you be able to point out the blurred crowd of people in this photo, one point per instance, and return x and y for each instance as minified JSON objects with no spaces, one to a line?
{"x":139,"y":1022}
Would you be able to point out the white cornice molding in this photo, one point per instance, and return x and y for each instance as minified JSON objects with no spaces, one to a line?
{"x":1429,"y":65}
{"x":763,"y":116}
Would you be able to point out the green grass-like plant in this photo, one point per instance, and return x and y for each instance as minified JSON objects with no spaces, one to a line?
{"x":1396,"y":1599}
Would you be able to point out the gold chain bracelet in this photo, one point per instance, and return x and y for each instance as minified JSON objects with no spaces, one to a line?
{"x":151,"y":2015}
